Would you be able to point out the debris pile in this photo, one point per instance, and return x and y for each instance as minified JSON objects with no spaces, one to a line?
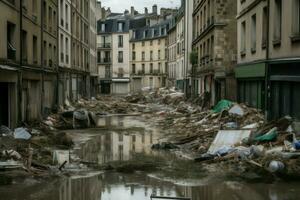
{"x":232,"y":132}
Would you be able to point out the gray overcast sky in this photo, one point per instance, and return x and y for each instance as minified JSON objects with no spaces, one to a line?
{"x":121,"y":5}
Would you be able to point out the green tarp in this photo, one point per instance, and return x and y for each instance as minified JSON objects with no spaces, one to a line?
{"x":222,"y":105}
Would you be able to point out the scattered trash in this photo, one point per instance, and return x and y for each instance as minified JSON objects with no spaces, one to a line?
{"x":251,"y":126}
{"x":228,"y":139}
{"x":81,"y":119}
{"x":22,"y":133}
{"x":270,"y":136}
{"x":11,"y":154}
{"x":276,"y":166}
{"x":60,"y":157}
{"x":5,"y":131}
{"x":238,"y":110}
{"x":10,"y":164}
{"x":222,"y":105}
{"x":231,"y":125}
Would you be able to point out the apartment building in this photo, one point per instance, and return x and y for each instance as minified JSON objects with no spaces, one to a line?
{"x":94,"y":82}
{"x":269,"y":51}
{"x":113,"y":54}
{"x":148,"y":47}
{"x":64,"y":38}
{"x":252,"y":52}
{"x":80,"y":56}
{"x":28,"y":61}
{"x":214,"y":39}
{"x":49,"y":54}
{"x":172,"y":64}
{"x":180,"y":42}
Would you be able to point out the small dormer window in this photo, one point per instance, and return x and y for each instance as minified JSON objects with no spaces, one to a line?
{"x":103,"y":27}
{"x":120,"y":26}
{"x":134,"y":34}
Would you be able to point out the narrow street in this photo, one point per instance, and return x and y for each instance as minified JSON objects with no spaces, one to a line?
{"x":128,"y":155}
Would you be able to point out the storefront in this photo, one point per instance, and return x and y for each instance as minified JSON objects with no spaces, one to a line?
{"x":251,"y":84}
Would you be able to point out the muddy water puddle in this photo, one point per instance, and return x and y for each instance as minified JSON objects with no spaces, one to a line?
{"x":120,"y":139}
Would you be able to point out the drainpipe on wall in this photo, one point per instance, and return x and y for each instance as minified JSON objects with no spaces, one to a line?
{"x":267,"y":73}
{"x":20,"y":78}
{"x":42,"y":59}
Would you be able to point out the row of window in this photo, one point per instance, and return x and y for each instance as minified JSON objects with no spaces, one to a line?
{"x":150,"y":70}
{"x":143,"y":55}
{"x":205,"y":51}
{"x":204,"y":18}
{"x":277,"y":27}
{"x":64,"y":14}
{"x":49,"y":49}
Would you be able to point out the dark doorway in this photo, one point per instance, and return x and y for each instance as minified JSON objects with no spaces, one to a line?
{"x":105,"y":87}
{"x":218,"y":91}
{"x":4,"y":115}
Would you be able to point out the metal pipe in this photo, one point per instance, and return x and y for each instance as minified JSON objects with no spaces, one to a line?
{"x":172,"y":198}
{"x":20,"y":78}
{"x":267,"y":71}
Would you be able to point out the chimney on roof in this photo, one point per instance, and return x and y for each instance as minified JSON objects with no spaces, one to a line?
{"x":154,"y":9}
{"x":146,"y":10}
{"x":132,"y":11}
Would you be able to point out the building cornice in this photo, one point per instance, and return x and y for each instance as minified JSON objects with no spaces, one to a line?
{"x":248,"y":8}
{"x":207,"y":31}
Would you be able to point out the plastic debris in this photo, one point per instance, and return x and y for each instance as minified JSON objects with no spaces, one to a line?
{"x":270,"y":136}
{"x":5,"y":131}
{"x":228,"y":138}
{"x":251,"y":126}
{"x":238,"y":110}
{"x":61,"y":156}
{"x":276,"y":166}
{"x":10,"y":164}
{"x":22,"y":133}
{"x":222,"y":105}
{"x":11,"y":154}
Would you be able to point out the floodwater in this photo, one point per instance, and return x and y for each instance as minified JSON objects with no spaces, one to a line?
{"x":119,"y":139}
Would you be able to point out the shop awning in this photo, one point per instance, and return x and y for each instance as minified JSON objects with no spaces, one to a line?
{"x":125,"y":80}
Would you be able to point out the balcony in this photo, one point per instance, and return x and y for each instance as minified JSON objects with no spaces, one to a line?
{"x":104,"y":45}
{"x":104,"y":61}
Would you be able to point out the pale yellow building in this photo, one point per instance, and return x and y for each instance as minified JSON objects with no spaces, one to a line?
{"x":148,"y":63}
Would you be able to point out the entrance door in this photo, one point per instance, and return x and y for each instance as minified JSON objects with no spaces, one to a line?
{"x":105,"y":88}
{"x":4,"y":106}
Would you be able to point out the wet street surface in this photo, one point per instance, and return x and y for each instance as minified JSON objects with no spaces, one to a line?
{"x":120,"y":139}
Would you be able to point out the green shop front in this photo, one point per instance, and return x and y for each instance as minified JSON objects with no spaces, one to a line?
{"x":251,"y":84}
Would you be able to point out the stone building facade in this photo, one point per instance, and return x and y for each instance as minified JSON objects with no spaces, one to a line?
{"x":113,"y":55}
{"x":28,"y":60}
{"x":172,"y":53}
{"x":214,"y":39}
{"x":269,"y":51}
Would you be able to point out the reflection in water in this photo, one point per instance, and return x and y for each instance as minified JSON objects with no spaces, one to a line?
{"x":86,"y":187}
{"x":114,"y":186}
{"x":118,"y":145}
